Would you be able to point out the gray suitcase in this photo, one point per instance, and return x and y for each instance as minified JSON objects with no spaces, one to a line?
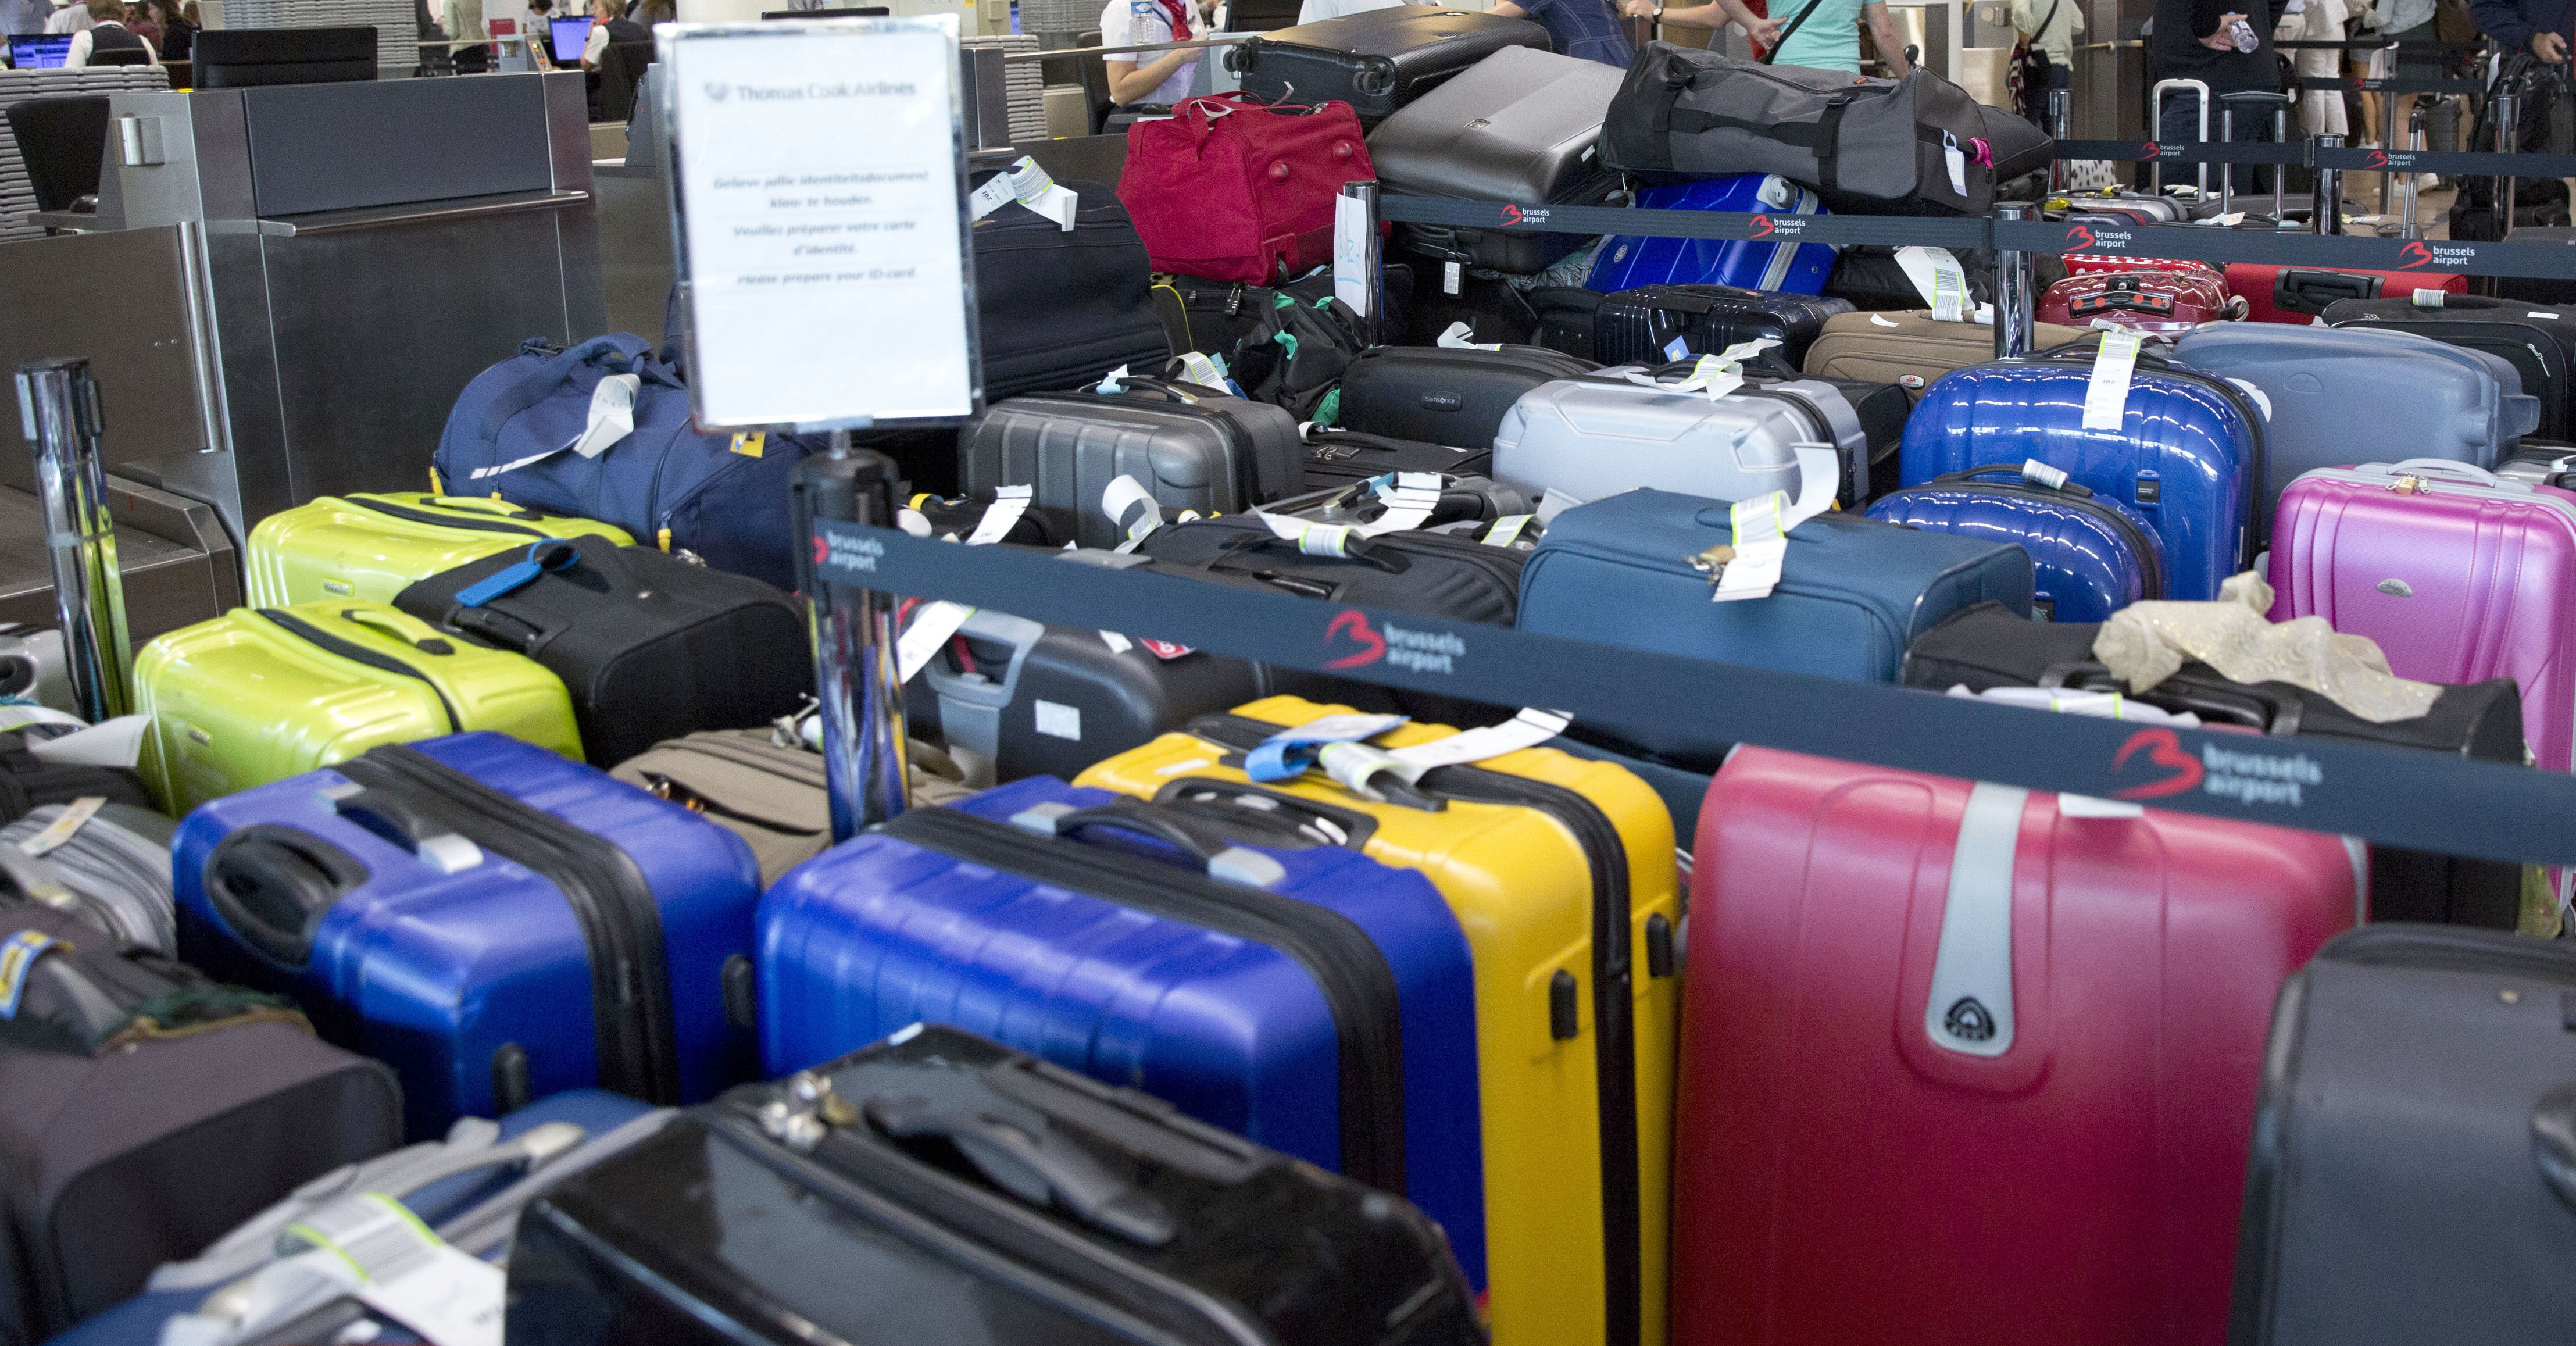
{"x":2413,"y":1176}
{"x":1191,"y":447}
{"x":1521,"y":125}
{"x":1620,"y":430}
{"x":114,"y":871}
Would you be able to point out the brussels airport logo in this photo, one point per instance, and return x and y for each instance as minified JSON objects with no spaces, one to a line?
{"x":2246,"y":777}
{"x":1762,"y":227}
{"x":2377,"y":159}
{"x":2414,"y":254}
{"x":2151,"y":150}
{"x":2418,"y":254}
{"x":2079,"y":237}
{"x":1534,"y":216}
{"x":2163,"y":750}
{"x":1351,"y":627}
{"x":1415,"y":651}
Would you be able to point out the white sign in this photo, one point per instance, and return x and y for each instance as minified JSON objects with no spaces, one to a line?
{"x":819,"y":190}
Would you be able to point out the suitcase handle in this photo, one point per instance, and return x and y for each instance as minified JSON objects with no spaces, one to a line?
{"x":1174,"y":390}
{"x":2276,"y":714}
{"x":2018,"y":473}
{"x":1278,"y":814}
{"x":273,"y":885}
{"x":1030,"y":1159}
{"x":1354,"y":548}
{"x":1218,"y":856}
{"x":2553,"y":1142}
{"x":2446,"y":467}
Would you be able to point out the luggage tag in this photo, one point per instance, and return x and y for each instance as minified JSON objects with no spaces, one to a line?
{"x":18,"y":955}
{"x":928,"y":633}
{"x":2041,"y":475}
{"x":1206,"y":370}
{"x":1937,"y":276}
{"x":612,"y":418}
{"x":1029,"y":185}
{"x":1410,"y":497}
{"x":1312,"y":538}
{"x":1719,"y":374}
{"x":1125,"y":494}
{"x":1956,"y":159}
{"x":1747,"y":565}
{"x":407,"y":1273}
{"x":551,"y":554}
{"x":1507,"y":529}
{"x":2100,"y":705}
{"x":2106,"y":397}
{"x":913,"y":522}
{"x":1291,"y":751}
{"x":2428,"y":299}
{"x":1009,"y":503}
{"x":117,"y":743}
{"x":1353,"y":764}
{"x":64,"y":825}
{"x":1456,"y":338}
{"x":1553,"y":503}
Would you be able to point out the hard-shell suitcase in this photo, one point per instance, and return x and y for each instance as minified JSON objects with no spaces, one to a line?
{"x":648,"y":646}
{"x":1881,"y":408}
{"x":1910,"y":350}
{"x":1522,"y":125}
{"x":493,"y":921}
{"x":1629,"y":262}
{"x":1408,"y":571}
{"x":1255,"y":977}
{"x":772,"y":795}
{"x":1346,"y":457}
{"x":2300,"y":294}
{"x":1446,"y":394}
{"x":938,"y":1187}
{"x":2188,"y":455}
{"x":371,"y":546}
{"x":29,"y":782}
{"x":1561,"y":873}
{"x":2089,"y":556}
{"x":2081,"y":263}
{"x":1233,"y":188}
{"x":1193,"y":448}
{"x":1378,"y":60}
{"x":113,"y":871}
{"x":1626,"y":428}
{"x":1674,"y":322}
{"x":260,"y":695}
{"x":2539,"y":339}
{"x":2410,"y":1179}
{"x":1999,"y":1053}
{"x":2142,"y":301}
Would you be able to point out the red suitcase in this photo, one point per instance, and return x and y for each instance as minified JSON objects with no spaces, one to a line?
{"x":2080,"y":263}
{"x":1228,"y":188}
{"x":1883,"y":1135}
{"x":2297,"y":294}
{"x":2145,"y":301}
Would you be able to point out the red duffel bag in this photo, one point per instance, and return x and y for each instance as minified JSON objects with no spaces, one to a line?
{"x":1232,"y":189}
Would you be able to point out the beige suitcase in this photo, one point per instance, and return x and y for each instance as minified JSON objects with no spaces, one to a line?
{"x":1910,"y":349}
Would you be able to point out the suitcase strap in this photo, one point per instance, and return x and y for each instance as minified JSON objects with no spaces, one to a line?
{"x":375,"y":659}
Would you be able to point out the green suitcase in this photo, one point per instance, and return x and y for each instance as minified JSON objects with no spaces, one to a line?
{"x":372,"y":546}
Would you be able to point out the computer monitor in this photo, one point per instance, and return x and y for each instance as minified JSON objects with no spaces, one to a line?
{"x":45,"y":51}
{"x":570,"y":37}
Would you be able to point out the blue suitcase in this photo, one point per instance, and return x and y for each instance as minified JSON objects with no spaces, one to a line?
{"x":1628,"y":262}
{"x":2090,"y":555}
{"x":1328,"y":1012}
{"x":2188,"y":456}
{"x":491,"y":920}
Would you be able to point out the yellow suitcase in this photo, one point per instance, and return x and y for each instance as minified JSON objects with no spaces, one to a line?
{"x":1578,"y":1129}
{"x":373,"y":546}
{"x":260,"y":695}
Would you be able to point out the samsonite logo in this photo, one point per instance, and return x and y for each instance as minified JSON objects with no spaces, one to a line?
{"x":2232,"y":773}
{"x":1360,"y":644}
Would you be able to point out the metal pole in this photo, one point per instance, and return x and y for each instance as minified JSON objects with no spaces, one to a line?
{"x":2015,"y":300}
{"x":58,"y":411}
{"x":2388,"y":137}
{"x":2227,"y":172}
{"x":864,"y":758}
{"x":2415,"y":121}
{"x":2280,"y":172}
{"x":2327,"y":216}
{"x":2508,"y":120}
{"x":1373,"y":264}
{"x":2061,"y":115}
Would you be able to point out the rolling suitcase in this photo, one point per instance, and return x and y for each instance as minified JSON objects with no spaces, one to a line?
{"x":1407,"y":571}
{"x":990,"y":1198}
{"x":1348,"y":457}
{"x":1910,"y":350}
{"x":494,"y":922}
{"x":772,"y":795}
{"x":2410,"y":1175}
{"x":2164,"y":302}
{"x":2539,"y":340}
{"x":1247,"y":973}
{"x":1561,"y":873}
{"x":2300,"y":294}
{"x":960,"y":517}
{"x":2089,"y":556}
{"x":1057,"y":307}
{"x":2083,"y":263}
{"x":1674,"y":322}
{"x":1446,"y":394}
{"x":649,"y":646}
{"x":1522,"y":125}
{"x":113,"y":871}
{"x":2188,"y":456}
{"x":1623,"y":429}
{"x":1629,"y":262}
{"x":258,"y":696}
{"x":1192,"y":448}
{"x":1896,"y":980}
{"x":29,"y":782}
{"x":1231,"y":188}
{"x":371,"y":546}
{"x":1377,"y":61}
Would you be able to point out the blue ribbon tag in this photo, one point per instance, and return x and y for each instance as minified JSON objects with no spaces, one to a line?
{"x":1291,"y":751}
{"x":551,"y":554}
{"x":18,"y":955}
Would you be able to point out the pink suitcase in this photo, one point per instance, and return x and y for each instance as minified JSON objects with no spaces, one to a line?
{"x":2459,"y":575}
{"x":2005,"y":1100}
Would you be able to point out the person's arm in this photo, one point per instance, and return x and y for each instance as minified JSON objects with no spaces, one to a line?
{"x":1130,"y":82}
{"x":1718,"y":15}
{"x":593,"y":46}
{"x":1882,"y":30}
{"x":1507,"y":9}
{"x":78,"y":56}
{"x":2503,"y":21}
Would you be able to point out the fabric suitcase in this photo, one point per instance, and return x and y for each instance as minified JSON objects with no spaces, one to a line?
{"x":1215,"y":316}
{"x":258,"y":696}
{"x":1058,"y":308}
{"x":1869,"y":275}
{"x":29,"y":782}
{"x":1470,"y":506}
{"x":494,"y":922}
{"x":2188,"y":456}
{"x":370,"y":546}
{"x":1623,"y":429}
{"x":1642,"y":326}
{"x":1377,"y":61}
{"x":1630,"y":262}
{"x":2410,"y":1174}
{"x":2165,"y":302}
{"x":2089,"y":556}
{"x":985,"y":1199}
{"x":1939,"y":1030}
{"x":114,"y":872}
{"x":1347,"y":457}
{"x":1910,"y":350}
{"x":1196,"y":449}
{"x":1229,"y":188}
{"x":1407,"y":571}
{"x":1561,"y":872}
{"x":1445,"y":394}
{"x":2300,"y":294}
{"x":2539,"y":340}
{"x":1291,"y":990}
{"x":149,"y":1111}
{"x":772,"y":795}
{"x":1521,"y":125}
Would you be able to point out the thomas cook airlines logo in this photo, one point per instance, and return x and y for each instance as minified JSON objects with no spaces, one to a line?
{"x":2079,"y":237}
{"x":1415,"y":651}
{"x":2164,"y":750}
{"x":2246,"y":777}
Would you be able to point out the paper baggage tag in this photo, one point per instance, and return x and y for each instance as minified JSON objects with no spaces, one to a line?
{"x":931,"y":627}
{"x":18,"y":955}
{"x":1314,"y":539}
{"x":1507,"y":529}
{"x":2041,"y":475}
{"x":1937,"y":276}
{"x":1117,"y":643}
{"x":1455,"y":338}
{"x":612,"y":415}
{"x":1124,"y":496}
{"x":1956,"y":160}
{"x":912,"y":521}
{"x":2427,"y":298}
{"x":1009,"y":503}
{"x":409,"y":1274}
{"x":1553,"y":503}
{"x":117,"y":742}
{"x":1206,"y":370}
{"x":1748,"y":564}
{"x":1528,"y":729}
{"x":2106,"y":398}
{"x":1881,"y":320}
{"x":64,"y":825}
{"x":1409,"y":498}
{"x":1351,"y":230}
{"x":1291,"y":751}
{"x":1449,"y":277}
{"x":1029,"y":185}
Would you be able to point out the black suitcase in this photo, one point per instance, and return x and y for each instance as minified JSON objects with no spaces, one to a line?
{"x":939,"y":1188}
{"x":961,"y":516}
{"x":1446,"y":394}
{"x":1192,"y":447}
{"x":1523,"y":125}
{"x":1870,"y":278}
{"x":1446,"y":293}
{"x":30,"y":782}
{"x":1638,"y":327}
{"x":1562,"y":319}
{"x":650,"y":646}
{"x":2413,"y":1175}
{"x":1375,"y":61}
{"x":1881,"y":407}
{"x":1342,"y":457}
{"x":1465,"y":506}
{"x":1408,"y":571}
{"x":2538,"y":339}
{"x":1215,"y":316}
{"x":1059,"y":308}
{"x":1987,"y":646}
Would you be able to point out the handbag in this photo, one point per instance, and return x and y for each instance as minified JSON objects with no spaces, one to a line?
{"x":1228,"y":188}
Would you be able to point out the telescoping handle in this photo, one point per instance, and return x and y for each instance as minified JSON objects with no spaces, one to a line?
{"x":1202,"y":841}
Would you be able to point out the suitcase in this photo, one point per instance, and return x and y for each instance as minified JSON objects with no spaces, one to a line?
{"x":1869,"y":275}
{"x":1377,"y":61}
{"x":2085,"y":263}
{"x":1623,"y":429}
{"x":1898,"y":980}
{"x":2089,"y":556}
{"x":114,"y":872}
{"x":2189,"y":455}
{"x":1561,"y":873}
{"x":1521,"y":125}
{"x":1429,"y":573}
{"x":1337,"y":458}
{"x":1445,"y":394}
{"x":2540,"y":341}
{"x":1910,"y":350}
{"x":1466,"y":506}
{"x":1630,"y":262}
{"x":1193,"y":448}
{"x":2300,"y":294}
{"x":2155,"y":206}
{"x":1561,"y":319}
{"x":2410,"y":1174}
{"x":649,"y":646}
{"x":1227,"y":188}
{"x":1057,"y":307}
{"x":960,"y":517}
{"x":1252,"y":976}
{"x":29,"y":782}
{"x":1881,"y":408}
{"x":772,"y":795}
{"x":2458,"y":576}
{"x":2163,"y":302}
{"x":494,"y":922}
{"x":261,"y":695}
{"x":1674,"y":322}
{"x":989,"y":1198}
{"x":370,"y":546}
{"x":2540,"y":462}
{"x":149,"y":1111}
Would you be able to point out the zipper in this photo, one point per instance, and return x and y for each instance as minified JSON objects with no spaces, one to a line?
{"x":468,"y":523}
{"x":2256,"y":526}
{"x":1614,"y":1046}
{"x":1347,"y":966}
{"x":359,"y":654}
{"x":1878,"y":620}
{"x":621,"y":923}
{"x":662,"y":523}
{"x":2127,"y":528}
{"x":1504,"y":569}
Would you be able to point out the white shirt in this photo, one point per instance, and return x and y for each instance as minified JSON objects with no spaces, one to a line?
{"x":596,"y":43}
{"x":78,"y":56}
{"x":2059,"y":40}
{"x":1141,"y":23}
{"x":70,"y":19}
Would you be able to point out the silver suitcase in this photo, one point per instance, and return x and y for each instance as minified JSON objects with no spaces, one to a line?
{"x":1625,"y":429}
{"x":1212,"y":453}
{"x":113,"y":873}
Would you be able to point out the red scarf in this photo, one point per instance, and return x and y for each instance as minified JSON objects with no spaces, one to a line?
{"x":1176,"y":13}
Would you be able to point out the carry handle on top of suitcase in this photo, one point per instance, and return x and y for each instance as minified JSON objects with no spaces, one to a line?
{"x":273,"y":885}
{"x":1349,"y":547}
{"x":2019,"y":473}
{"x":2260,"y":710}
{"x":1013,"y":1145}
{"x":1199,"y":838}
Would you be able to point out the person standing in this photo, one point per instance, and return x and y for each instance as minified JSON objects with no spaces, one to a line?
{"x":1151,"y":77}
{"x":1764,"y":31}
{"x":69,"y":16}
{"x":2545,"y":28}
{"x":2320,"y":110}
{"x":24,"y":18}
{"x":1825,"y":35}
{"x":463,"y":22}
{"x":2225,"y":47}
{"x":1586,"y":29}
